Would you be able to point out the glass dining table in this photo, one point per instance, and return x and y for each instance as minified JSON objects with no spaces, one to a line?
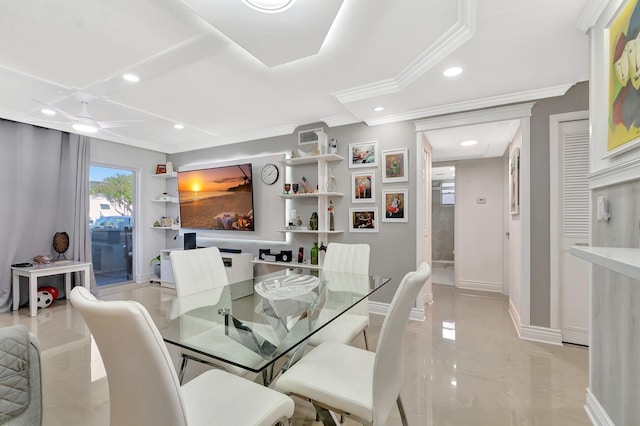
{"x":274,"y":322}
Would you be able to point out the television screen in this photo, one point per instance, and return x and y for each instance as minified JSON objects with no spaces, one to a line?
{"x":219,"y":198}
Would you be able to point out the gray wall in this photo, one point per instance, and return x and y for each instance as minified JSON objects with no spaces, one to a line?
{"x":576,"y":99}
{"x":393,"y":249}
{"x":615,"y":298}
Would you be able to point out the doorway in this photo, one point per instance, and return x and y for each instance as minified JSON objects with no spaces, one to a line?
{"x":443,"y":188}
{"x":111,"y":224}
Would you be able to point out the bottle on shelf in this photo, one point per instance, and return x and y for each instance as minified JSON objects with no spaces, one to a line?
{"x":314,"y":253}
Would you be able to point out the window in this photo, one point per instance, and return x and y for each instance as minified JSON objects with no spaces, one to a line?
{"x":447,"y":193}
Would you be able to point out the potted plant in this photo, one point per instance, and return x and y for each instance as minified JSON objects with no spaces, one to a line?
{"x":155,"y":262}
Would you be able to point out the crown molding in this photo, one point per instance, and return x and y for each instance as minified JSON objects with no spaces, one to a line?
{"x":340,"y":120}
{"x":456,"y":36}
{"x":511,"y":98}
{"x":590,"y":14}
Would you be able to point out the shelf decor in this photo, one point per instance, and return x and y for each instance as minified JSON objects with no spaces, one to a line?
{"x":161,"y":169}
{"x":396,"y":165}
{"x":514,"y":182}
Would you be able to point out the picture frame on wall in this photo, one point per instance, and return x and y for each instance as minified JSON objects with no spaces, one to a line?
{"x":514,"y":182}
{"x":396,"y":165}
{"x":623,"y":95}
{"x":395,"y":205}
{"x":363,"y":187}
{"x":363,"y":219}
{"x":363,"y":154}
{"x":161,"y":169}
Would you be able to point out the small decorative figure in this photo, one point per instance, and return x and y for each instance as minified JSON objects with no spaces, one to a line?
{"x":61,"y":243}
{"x":331,"y":222}
{"x":315,"y":150}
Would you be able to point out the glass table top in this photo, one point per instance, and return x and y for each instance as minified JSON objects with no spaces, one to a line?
{"x":283,"y":311}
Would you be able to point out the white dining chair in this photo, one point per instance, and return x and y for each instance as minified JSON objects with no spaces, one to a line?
{"x":196,"y":271}
{"x":143,"y":385}
{"x":354,"y":382}
{"x":354,"y":259}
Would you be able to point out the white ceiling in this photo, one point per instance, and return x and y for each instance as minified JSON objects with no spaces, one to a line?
{"x":230,"y":73}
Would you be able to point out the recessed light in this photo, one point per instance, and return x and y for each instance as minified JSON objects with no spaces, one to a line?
{"x":131,"y":78}
{"x":84,"y":128}
{"x":47,"y":111}
{"x":470,"y":142}
{"x":178,"y":126}
{"x":269,"y":6}
{"x":452,"y":72}
{"x":379,"y":108}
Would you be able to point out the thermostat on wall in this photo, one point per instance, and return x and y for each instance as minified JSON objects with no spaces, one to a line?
{"x":481,"y":200}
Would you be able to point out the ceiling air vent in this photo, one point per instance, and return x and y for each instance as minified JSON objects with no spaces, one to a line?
{"x":308,"y":136}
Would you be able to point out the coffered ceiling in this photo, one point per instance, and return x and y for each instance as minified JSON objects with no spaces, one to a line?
{"x":229,"y":73}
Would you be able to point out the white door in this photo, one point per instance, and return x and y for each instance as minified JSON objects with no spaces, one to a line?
{"x":570,"y":202}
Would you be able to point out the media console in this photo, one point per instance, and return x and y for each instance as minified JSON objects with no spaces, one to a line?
{"x":239,"y":267}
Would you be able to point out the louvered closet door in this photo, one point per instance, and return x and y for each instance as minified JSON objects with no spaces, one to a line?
{"x":574,"y":230}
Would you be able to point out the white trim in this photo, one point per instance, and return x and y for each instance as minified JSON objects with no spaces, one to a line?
{"x":456,"y":36}
{"x":480,"y":285}
{"x":339,"y":120}
{"x":532,"y":332}
{"x":380,"y":308}
{"x":525,"y":221}
{"x":616,"y":174}
{"x":590,"y":14}
{"x":475,"y":117}
{"x":555,"y":212}
{"x":596,"y":412}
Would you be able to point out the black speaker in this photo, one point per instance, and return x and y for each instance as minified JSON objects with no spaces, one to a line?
{"x":189,"y":240}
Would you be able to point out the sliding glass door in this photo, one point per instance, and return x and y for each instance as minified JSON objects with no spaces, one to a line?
{"x":111,"y":224}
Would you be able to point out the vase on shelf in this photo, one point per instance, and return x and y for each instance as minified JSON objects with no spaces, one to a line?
{"x":314,"y":253}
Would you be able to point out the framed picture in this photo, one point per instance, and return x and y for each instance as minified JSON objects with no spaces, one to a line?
{"x":363,"y":219}
{"x":363,"y":187}
{"x":161,"y":169}
{"x":395,"y":205}
{"x":623,"y":81}
{"x":363,"y":154}
{"x":514,"y":182}
{"x":396,"y":165}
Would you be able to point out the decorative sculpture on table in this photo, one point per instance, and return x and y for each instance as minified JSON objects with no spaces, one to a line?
{"x":61,"y":243}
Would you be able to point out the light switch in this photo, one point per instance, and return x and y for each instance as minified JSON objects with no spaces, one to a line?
{"x":481,"y":200}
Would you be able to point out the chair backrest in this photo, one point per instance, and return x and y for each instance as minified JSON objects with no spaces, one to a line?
{"x":197,"y":270}
{"x":143,"y":385}
{"x":353,"y":258}
{"x":388,"y":372}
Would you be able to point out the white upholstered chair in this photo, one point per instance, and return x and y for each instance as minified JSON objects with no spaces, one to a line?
{"x":143,"y":386}
{"x":351,"y":258}
{"x":196,"y":271}
{"x":354,"y":382}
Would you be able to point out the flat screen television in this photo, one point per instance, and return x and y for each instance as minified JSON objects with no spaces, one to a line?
{"x":217,"y":198}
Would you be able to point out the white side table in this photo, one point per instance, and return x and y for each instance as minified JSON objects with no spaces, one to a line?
{"x":65,"y":267}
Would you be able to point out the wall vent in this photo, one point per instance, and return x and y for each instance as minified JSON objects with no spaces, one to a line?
{"x":308,"y":136}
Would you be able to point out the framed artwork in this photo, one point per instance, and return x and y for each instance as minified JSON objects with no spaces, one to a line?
{"x":514,"y":182}
{"x":396,"y":165}
{"x":624,"y":83}
{"x":161,"y":169}
{"x":363,"y":154}
{"x":363,"y":187}
{"x":363,"y":219}
{"x":395,"y":205}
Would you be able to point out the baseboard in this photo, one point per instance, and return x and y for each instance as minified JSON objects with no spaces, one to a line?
{"x":596,"y":413}
{"x":379,"y":308}
{"x":534,"y":333}
{"x":480,"y":285}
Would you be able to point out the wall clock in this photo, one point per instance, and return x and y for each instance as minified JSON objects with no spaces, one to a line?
{"x":270,"y":174}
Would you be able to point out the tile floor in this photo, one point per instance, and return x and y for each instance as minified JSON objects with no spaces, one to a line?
{"x":464,"y":366}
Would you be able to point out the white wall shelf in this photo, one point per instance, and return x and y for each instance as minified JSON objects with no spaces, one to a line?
{"x":310,"y":231}
{"x":173,"y":200}
{"x":290,"y":264}
{"x":166,"y":175}
{"x":625,"y":261}
{"x":311,"y":159}
{"x":313,"y":195}
{"x":174,"y":227}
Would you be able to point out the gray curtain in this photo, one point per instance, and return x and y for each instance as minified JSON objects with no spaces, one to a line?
{"x":44,"y":175}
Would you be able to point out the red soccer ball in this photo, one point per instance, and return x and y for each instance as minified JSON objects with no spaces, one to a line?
{"x":52,"y":291}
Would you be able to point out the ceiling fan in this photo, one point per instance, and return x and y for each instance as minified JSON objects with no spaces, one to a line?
{"x":83,"y":122}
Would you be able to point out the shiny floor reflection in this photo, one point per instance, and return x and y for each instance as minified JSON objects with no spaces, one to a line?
{"x":464,"y":366}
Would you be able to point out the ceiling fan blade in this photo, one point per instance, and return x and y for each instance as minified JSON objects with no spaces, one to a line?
{"x":63,"y":113}
{"x":121,"y":123}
